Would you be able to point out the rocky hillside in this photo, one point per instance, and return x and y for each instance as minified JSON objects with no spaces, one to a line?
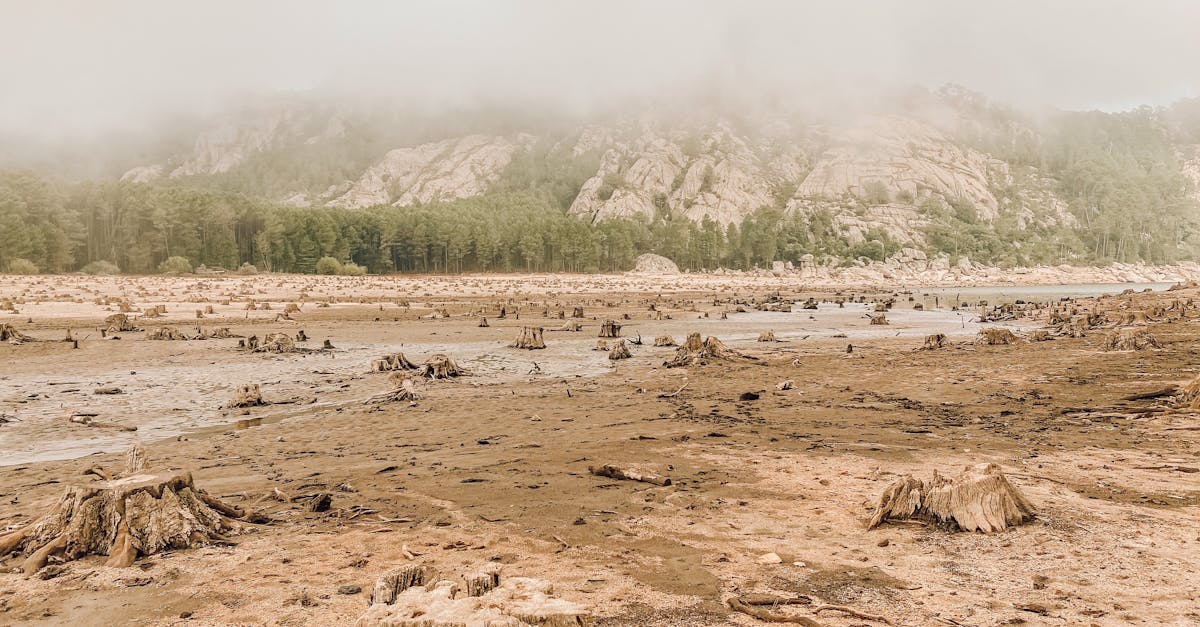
{"x":938,"y":171}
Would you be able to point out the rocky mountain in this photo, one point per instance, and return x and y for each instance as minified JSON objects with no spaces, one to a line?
{"x":920,"y":173}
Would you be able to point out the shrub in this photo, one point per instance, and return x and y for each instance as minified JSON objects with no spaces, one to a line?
{"x":328,"y":265}
{"x":352,"y":269}
{"x":101,"y":267}
{"x":175,"y":265}
{"x":247,"y":269}
{"x":22,"y":266}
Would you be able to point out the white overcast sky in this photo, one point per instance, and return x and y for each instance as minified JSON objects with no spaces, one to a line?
{"x":96,"y":65}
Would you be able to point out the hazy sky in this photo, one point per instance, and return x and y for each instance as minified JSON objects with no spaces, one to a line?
{"x":95,"y":65}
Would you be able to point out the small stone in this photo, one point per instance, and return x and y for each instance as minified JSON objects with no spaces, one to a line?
{"x":883,"y":542}
{"x":769,"y":558}
{"x":349,"y":589}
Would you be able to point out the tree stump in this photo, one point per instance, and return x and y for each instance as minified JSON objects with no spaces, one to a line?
{"x":402,"y":390}
{"x":529,"y":339}
{"x":139,"y":515}
{"x":881,"y":319}
{"x":166,"y":333}
{"x":1189,"y":396}
{"x":411,"y":597}
{"x":601,"y":345}
{"x":996,"y":336}
{"x":10,"y":334}
{"x":393,"y":362}
{"x":118,"y":323}
{"x":610,"y":328}
{"x":1130,"y":340}
{"x":767,"y":336}
{"x":275,"y":343}
{"x":664,"y":340}
{"x":248,"y":395}
{"x":577,"y":312}
{"x":483,"y":322}
{"x":571,"y":326}
{"x":935,"y":341}
{"x":620,"y":350}
{"x":695,"y":352}
{"x":440,"y":366}
{"x":980,"y":499}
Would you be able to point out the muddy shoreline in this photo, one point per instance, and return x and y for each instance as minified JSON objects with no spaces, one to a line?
{"x":493,"y":467}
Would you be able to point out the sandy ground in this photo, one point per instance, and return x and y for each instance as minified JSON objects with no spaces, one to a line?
{"x":493,"y":466}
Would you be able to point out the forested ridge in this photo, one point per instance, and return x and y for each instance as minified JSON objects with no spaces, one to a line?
{"x":1122,"y":175}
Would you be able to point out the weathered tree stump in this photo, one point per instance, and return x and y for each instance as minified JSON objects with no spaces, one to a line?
{"x":530,"y":338}
{"x":275,"y":343}
{"x":695,"y":352}
{"x":767,"y":336}
{"x":881,"y":319}
{"x":664,"y":340}
{"x":996,"y":336}
{"x":483,"y":322}
{"x":1189,"y":396}
{"x":403,"y":389}
{"x":935,"y":341}
{"x":610,"y":328}
{"x":138,"y":515}
{"x":412,"y":597}
{"x":1130,"y":340}
{"x":393,"y":362}
{"x":980,"y":499}
{"x":620,"y":350}
{"x":440,"y":366}
{"x":577,"y":312}
{"x":248,"y":395}
{"x":166,"y":333}
{"x":573,"y":327}
{"x":118,"y":323}
{"x":601,"y":345}
{"x":10,"y":334}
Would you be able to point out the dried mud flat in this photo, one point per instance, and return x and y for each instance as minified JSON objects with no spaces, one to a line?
{"x":771,"y":488}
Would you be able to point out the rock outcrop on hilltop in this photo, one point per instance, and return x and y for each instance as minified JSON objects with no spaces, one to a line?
{"x":432,"y":172}
{"x":714,"y":172}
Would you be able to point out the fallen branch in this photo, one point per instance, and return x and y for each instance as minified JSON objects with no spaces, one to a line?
{"x":612,"y":472}
{"x":676,"y":392}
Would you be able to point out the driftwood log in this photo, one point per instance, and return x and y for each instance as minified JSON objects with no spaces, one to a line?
{"x":980,"y":499}
{"x":414,"y":597}
{"x":530,"y":338}
{"x":142,"y":514}
{"x":614,"y":472}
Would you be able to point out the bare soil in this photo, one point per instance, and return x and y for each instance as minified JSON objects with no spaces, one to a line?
{"x":493,"y":466}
